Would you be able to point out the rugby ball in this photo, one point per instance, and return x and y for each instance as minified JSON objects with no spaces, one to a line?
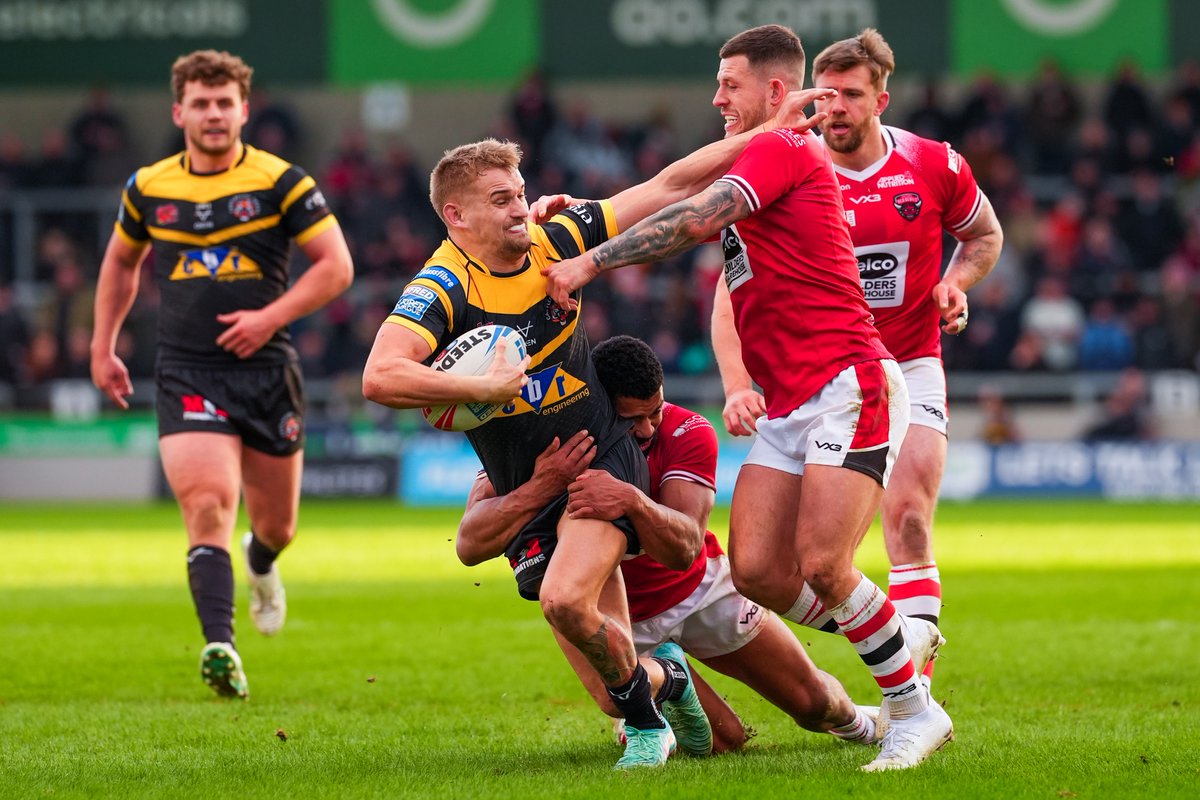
{"x":472,"y":354}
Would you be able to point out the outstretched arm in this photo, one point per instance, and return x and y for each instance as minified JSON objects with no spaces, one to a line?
{"x":695,"y":171}
{"x":977,"y":251}
{"x":670,"y":231}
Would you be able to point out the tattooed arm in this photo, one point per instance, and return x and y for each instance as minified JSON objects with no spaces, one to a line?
{"x":977,"y":251}
{"x":674,"y":229}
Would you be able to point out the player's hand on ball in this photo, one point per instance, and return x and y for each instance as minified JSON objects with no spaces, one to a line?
{"x":952,"y":305}
{"x":567,"y":276}
{"x":504,"y":381}
{"x":742,"y":410}
{"x":791,"y":113}
{"x":547,"y":206}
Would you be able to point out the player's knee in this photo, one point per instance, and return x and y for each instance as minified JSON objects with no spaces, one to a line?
{"x":207,"y":512}
{"x":822,"y":570}
{"x":911,"y":534}
{"x":753,"y":578}
{"x":565,"y":612}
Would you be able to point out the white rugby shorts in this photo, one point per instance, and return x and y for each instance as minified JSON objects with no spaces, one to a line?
{"x":712,"y":621}
{"x":926,"y":382}
{"x":857,"y":421}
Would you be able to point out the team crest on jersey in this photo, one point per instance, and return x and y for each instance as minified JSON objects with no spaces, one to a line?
{"x":244,"y":207}
{"x":166,"y":214}
{"x":555,"y":312}
{"x":216,"y":263}
{"x":908,"y":204}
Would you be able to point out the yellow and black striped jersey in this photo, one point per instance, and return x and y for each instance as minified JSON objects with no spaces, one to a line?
{"x":220,"y":244}
{"x":455,"y":293}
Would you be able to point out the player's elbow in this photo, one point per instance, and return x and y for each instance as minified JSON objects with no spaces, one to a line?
{"x":375,"y":387}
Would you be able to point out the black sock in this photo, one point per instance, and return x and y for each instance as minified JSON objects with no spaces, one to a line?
{"x":261,"y":556}
{"x":634,"y":701}
{"x":675,"y":680}
{"x":210,"y":575}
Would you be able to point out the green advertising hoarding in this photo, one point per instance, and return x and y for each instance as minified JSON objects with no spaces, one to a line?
{"x":473,"y":42}
{"x":1086,"y":37}
{"x":650,"y":39}
{"x":134,"y":42}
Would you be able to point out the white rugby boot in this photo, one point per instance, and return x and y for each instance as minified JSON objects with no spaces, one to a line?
{"x":909,"y":741}
{"x":268,"y":601}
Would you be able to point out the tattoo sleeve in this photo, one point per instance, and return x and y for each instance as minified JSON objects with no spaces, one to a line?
{"x":674,"y":229}
{"x":599,"y":649}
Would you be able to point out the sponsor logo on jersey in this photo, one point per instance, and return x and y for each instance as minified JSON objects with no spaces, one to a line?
{"x":866,"y":198}
{"x":166,"y":214}
{"x":202,"y":220}
{"x":314,"y":201}
{"x":529,"y":556}
{"x":583,"y":212}
{"x":691,"y":423}
{"x":834,"y":446}
{"x":892,"y":181}
{"x":876,"y":265}
{"x":883,"y":269}
{"x":198,"y":408}
{"x":244,"y":207}
{"x":908,"y":204}
{"x":218,"y":263}
{"x":290,"y":427}
{"x":440,"y":275}
{"x":953,"y":159}
{"x":423,"y":292}
{"x":737,"y":263}
{"x":548,"y":391}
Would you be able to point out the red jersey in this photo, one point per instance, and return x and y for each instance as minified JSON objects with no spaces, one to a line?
{"x":792,"y":276}
{"x":897,"y":209}
{"x":683,"y":448}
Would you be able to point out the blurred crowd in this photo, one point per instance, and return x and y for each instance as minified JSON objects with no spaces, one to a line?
{"x":1098,"y":192}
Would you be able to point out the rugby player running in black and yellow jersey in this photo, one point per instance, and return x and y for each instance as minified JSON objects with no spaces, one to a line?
{"x":489,"y":271}
{"x":220,"y":217}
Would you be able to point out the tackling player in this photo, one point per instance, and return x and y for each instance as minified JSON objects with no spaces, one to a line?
{"x":488,"y":270}
{"x":899,"y":192}
{"x":836,"y":404}
{"x":218,"y":219}
{"x":683,"y":593}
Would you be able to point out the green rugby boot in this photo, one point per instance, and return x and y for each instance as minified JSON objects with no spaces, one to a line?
{"x":648,"y":748}
{"x":686,"y":715}
{"x":221,"y":669}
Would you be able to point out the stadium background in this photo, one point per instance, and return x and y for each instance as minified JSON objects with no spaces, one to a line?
{"x":1077,"y":374}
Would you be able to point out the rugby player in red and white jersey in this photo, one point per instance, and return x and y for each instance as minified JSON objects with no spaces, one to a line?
{"x":690,"y":599}
{"x":900,"y":192}
{"x":837,"y":408}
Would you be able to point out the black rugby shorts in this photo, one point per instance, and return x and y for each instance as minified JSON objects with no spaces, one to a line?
{"x":264,"y":406}
{"x":529,"y":553}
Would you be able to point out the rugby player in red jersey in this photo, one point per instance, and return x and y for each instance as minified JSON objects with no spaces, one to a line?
{"x":837,"y":408}
{"x":900,"y":192}
{"x":684,"y":592}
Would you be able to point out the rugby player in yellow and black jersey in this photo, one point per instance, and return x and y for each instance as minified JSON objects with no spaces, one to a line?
{"x":216,"y":222}
{"x":488,"y":271}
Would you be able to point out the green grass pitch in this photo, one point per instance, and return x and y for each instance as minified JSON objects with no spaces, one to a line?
{"x":1072,"y":668}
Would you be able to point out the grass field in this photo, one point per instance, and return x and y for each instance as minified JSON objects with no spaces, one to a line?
{"x":1071,"y":669}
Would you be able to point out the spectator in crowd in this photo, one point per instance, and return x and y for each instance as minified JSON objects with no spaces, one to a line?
{"x":1105,"y":344}
{"x":1126,"y":416}
{"x":14,"y":340}
{"x":998,"y":424}
{"x":1052,"y":113}
{"x":1051,"y":324}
